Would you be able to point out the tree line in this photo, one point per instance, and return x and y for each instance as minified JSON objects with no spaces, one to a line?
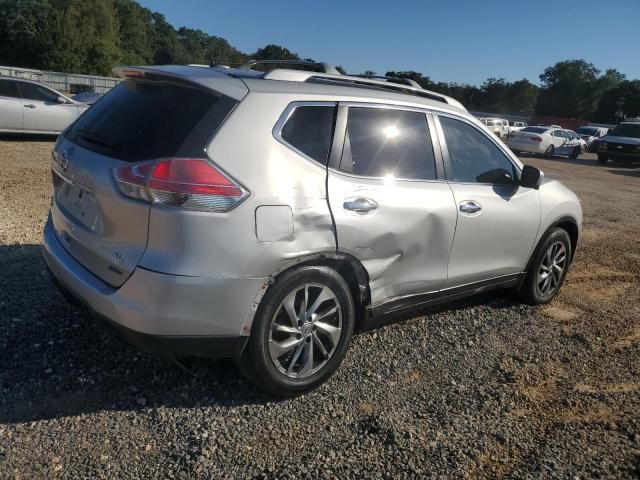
{"x":92,"y":36}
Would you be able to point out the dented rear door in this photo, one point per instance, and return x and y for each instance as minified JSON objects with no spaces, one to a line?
{"x":391,"y":207}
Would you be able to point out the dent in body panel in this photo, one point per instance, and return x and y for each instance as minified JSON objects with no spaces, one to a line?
{"x":404,"y":243}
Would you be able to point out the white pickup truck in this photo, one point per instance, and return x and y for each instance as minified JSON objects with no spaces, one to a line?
{"x":516,"y":127}
{"x":498,"y":126}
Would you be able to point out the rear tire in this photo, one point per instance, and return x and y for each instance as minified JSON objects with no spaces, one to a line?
{"x":548,"y":268}
{"x":548,"y":153}
{"x":296,"y":343}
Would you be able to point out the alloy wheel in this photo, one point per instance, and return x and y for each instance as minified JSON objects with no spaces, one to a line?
{"x":305,"y":330}
{"x":551,"y":268}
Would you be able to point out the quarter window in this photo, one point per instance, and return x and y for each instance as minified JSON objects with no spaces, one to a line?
{"x":36,"y":92}
{"x":387,"y":142}
{"x":310,"y":130}
{"x":472,"y":156}
{"x":8,"y":89}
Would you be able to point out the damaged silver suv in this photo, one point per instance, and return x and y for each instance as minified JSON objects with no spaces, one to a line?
{"x":263,"y":216}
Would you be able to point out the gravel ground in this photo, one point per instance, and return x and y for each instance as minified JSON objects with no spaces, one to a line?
{"x":483,"y":388}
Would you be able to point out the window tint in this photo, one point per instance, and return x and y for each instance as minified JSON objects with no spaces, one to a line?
{"x":36,"y":92}
{"x":471,"y":153}
{"x":310,"y":129}
{"x":144,"y":120}
{"x":382,"y":142}
{"x":535,"y":129}
{"x":8,"y":89}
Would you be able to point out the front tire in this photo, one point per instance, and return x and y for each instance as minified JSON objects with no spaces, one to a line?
{"x":576,"y":152}
{"x":602,"y":159}
{"x":548,"y":268}
{"x":301,"y":332}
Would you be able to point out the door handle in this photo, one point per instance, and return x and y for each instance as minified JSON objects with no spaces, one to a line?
{"x":470,"y":207}
{"x":360,"y":205}
{"x":30,"y":105}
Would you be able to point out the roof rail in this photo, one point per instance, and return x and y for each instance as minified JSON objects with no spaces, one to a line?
{"x":398,"y":80}
{"x":358,"y":81}
{"x":325,"y":67}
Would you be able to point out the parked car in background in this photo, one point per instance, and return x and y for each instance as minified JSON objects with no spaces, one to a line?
{"x":545,"y":141}
{"x":621,"y":145}
{"x":547,"y":125}
{"x":30,"y":107}
{"x":87,"y":97}
{"x":577,"y":138}
{"x":516,"y":127}
{"x":589,"y":134}
{"x":165,"y":225}
{"x":497,"y":126}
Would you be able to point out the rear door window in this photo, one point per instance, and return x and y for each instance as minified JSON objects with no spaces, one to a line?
{"x":383,"y":142}
{"x":144,"y":120}
{"x":309,"y":129}
{"x":9,"y":89}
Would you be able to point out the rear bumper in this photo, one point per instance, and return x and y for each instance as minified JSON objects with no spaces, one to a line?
{"x":161,"y":313}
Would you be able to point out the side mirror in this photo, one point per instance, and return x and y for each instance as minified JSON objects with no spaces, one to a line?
{"x":62,"y":100}
{"x":531,"y":177}
{"x":497,"y":176}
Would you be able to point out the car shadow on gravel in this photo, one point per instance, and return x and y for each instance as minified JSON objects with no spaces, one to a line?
{"x":26,"y":137}
{"x":626,"y":173}
{"x":56,"y":361}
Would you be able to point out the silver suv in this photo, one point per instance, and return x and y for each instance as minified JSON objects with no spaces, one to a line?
{"x":263,"y":216}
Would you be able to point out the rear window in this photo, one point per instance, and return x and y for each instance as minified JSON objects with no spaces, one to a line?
{"x":142,"y":120}
{"x":8,"y":89}
{"x":535,"y":129}
{"x":587,"y":131}
{"x":309,"y":129}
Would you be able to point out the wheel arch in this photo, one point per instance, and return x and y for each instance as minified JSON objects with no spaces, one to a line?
{"x":348,"y":266}
{"x":567,"y":223}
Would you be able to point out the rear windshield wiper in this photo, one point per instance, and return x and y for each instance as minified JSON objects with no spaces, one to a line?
{"x":90,"y":137}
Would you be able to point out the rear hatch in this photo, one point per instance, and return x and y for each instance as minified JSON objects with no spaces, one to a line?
{"x":143,"y":118}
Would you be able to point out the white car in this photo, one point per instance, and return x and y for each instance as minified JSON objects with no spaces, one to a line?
{"x":497,"y":126}
{"x":546,"y":141}
{"x":590,"y":134}
{"x":579,"y":139}
{"x":31,"y":107}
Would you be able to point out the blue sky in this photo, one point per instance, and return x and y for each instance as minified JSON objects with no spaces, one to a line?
{"x":465,"y":41}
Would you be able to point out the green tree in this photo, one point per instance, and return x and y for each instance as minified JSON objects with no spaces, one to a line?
{"x":26,"y":33}
{"x":274,"y":52}
{"x":608,"y":105}
{"x":573,"y":88}
{"x":419,"y":78}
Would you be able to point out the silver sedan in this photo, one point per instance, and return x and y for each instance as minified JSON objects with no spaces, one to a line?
{"x":30,"y":107}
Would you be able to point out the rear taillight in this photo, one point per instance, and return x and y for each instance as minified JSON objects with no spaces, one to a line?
{"x":188,"y":183}
{"x":536,"y":139}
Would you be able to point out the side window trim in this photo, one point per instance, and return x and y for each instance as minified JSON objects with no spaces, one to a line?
{"x":445,"y":151}
{"x":286,"y":115}
{"x":337,"y":147}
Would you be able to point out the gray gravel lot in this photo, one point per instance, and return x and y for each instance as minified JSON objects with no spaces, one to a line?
{"x":483,"y":388}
